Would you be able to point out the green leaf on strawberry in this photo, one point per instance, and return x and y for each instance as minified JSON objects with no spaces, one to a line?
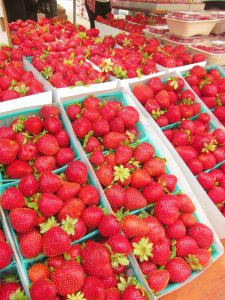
{"x":143,"y":249}
{"x":69,"y":224}
{"x":121,"y":173}
{"x":78,"y":296}
{"x":18,"y":295}
{"x":50,"y":223}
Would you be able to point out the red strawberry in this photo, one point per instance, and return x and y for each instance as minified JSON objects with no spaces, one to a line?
{"x":108,"y":111}
{"x":130,"y":116}
{"x":112,"y":139}
{"x":33,"y":125}
{"x":109,"y":226}
{"x":133,"y":226}
{"x":91,"y":102}
{"x":89,"y":195}
{"x":188,"y":219}
{"x":55,"y":242}
{"x":91,"y":114}
{"x":31,"y":238}
{"x":155,"y":84}
{"x":173,"y":114}
{"x":208,"y":160}
{"x":186,"y":205}
{"x":131,"y":292}
{"x":7,"y":133}
{"x":68,"y":190}
{"x":27,"y":152}
{"x":47,"y":145}
{"x":73,"y":111}
{"x":53,"y":125}
{"x":92,"y":144}
{"x":8,"y":151}
{"x":73,"y":208}
{"x":209,"y":90}
{"x":38,"y":271}
{"x":5,"y":254}
{"x":81,"y":127}
{"x":168,"y":181}
{"x":69,"y":278}
{"x":142,"y":92}
{"x":176,"y":231}
{"x":63,"y":138}
{"x":161,"y":253}
{"x":140,"y":178}
{"x":217,"y":194}
{"x":93,"y":288}
{"x":64,"y":156}
{"x":156,"y":230}
{"x":152,"y":107}
{"x":158,"y":280}
{"x":105,"y":175}
{"x":219,"y":135}
{"x":134,"y":199}
{"x":155,"y":166}
{"x":163,"y":99}
{"x":119,"y":244}
{"x":117,"y":125}
{"x":143,"y":152}
{"x":174,"y":84}
{"x":49,"y":204}
{"x":112,"y":293}
{"x":12,"y":198}
{"x":187,"y":153}
{"x":181,"y":138}
{"x":123,"y":154}
{"x":49,"y":111}
{"x":199,"y":259}
{"x":18,"y":169}
{"x":178,"y":269}
{"x":49,"y":182}
{"x":206,"y":180}
{"x":185,"y":246}
{"x":44,"y":163}
{"x":28,"y":185}
{"x":219,"y":112}
{"x":77,"y":172}
{"x":153,"y":192}
{"x":202,"y":234}
{"x":147,"y":266}
{"x":100,"y":127}
{"x":97,"y":158}
{"x":23,"y":219}
{"x":92,"y":216}
{"x":116,"y":196}
{"x":43,"y":287}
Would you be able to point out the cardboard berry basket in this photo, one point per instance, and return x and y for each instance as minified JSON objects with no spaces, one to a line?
{"x":28,"y":101}
{"x":77,"y":90}
{"x":211,"y":211}
{"x":7,"y":118}
{"x":106,"y":29}
{"x":150,"y":134}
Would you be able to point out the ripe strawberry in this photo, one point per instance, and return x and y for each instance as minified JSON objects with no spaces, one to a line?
{"x":198,"y":71}
{"x":152,"y":107}
{"x":91,"y":114}
{"x":142,"y":92}
{"x":185,"y":246}
{"x":76,"y":172}
{"x":62,"y":138}
{"x":33,"y":125}
{"x":91,"y":102}
{"x":219,"y":135}
{"x":153,"y":192}
{"x":123,"y":154}
{"x":112,"y":139}
{"x":92,"y":216}
{"x":55,"y":242}
{"x":31,"y":238}
{"x":38,"y":271}
{"x":108,"y":111}
{"x":22,"y":219}
{"x":73,"y":111}
{"x":97,"y":158}
{"x":8,"y":151}
{"x":53,"y":125}
{"x":44,"y":163}
{"x":219,"y":112}
{"x":155,"y":84}
{"x":96,"y":260}
{"x":117,"y":125}
{"x":174,"y":84}
{"x":210,"y":102}
{"x":134,"y":199}
{"x":158,"y":280}
{"x":202,"y":234}
{"x":155,"y":166}
{"x":217,"y":194}
{"x":209,"y":90}
{"x":180,"y":138}
{"x":109,"y":226}
{"x":168,"y":181}
{"x":176,"y":231}
{"x":178,"y":269}
{"x":68,"y":190}
{"x":163,"y":99}
{"x":112,"y":293}
{"x":186,"y":205}
{"x":92,"y":144}
{"x":119,"y":244}
{"x":140,"y":178}
{"x":43,"y":287}
{"x":81,"y":127}
{"x":105,"y":175}
{"x":100,"y":127}
{"x":208,"y":160}
{"x":219,"y":154}
{"x":18,"y":169}
{"x":186,"y":111}
{"x":49,"y":182}
{"x":11,"y":289}
{"x":173,"y":114}
{"x":49,"y":204}
{"x":199,"y":259}
{"x":110,"y":159}
{"x":64,"y":156}
{"x":116,"y":196}
{"x":89,"y":195}
{"x":72,"y":208}
{"x":134,"y":226}
{"x":147,"y":266}
{"x":47,"y":145}
{"x":12,"y":198}
{"x":27,"y":152}
{"x":7,"y":133}
{"x":93,"y":288}
{"x":28,"y":185}
{"x":49,"y":111}
{"x":5,"y":254}
{"x":187,"y":153}
{"x":131,"y":292}
{"x":130,"y":116}
{"x":156,"y":230}
{"x":188,"y":219}
{"x":143,"y":152}
{"x":161,"y":253}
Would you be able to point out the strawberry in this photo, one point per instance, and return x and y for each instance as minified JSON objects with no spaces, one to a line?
{"x":155,"y":84}
{"x":22,"y":219}
{"x":92,"y":144}
{"x":131,"y":292}
{"x":96,"y":260}
{"x":219,"y":112}
{"x":198,"y":58}
{"x":43,"y":287}
{"x":7,"y":133}
{"x":33,"y":125}
{"x":109,"y":226}
{"x":12,"y":198}
{"x":100,"y":127}
{"x":64,"y":156}
{"x":9,"y":95}
{"x":112,"y":139}
{"x":5,"y":254}
{"x":38,"y":271}
{"x":47,"y":145}
{"x":163,"y":99}
{"x":93,"y":288}
{"x":81,"y":127}
{"x":8,"y":151}
{"x":210,"y":102}
{"x":91,"y":102}
{"x":158,"y":280}
{"x":68,"y":190}
{"x":186,"y":204}
{"x":176,"y":231}
{"x":55,"y":242}
{"x":92,"y":216}
{"x":199,"y":259}
{"x":53,"y":125}
{"x":134,"y":226}
{"x":31,"y":238}
{"x":174,"y":84}
{"x":97,"y":158}
{"x":152,"y":107}
{"x":173,"y":114}
{"x":188,"y":219}
{"x":18,"y":169}
{"x":219,"y":135}
{"x":178,"y":269}
{"x":72,"y":208}
{"x":89,"y":195}
{"x":91,"y":114}
{"x":112,"y":293}
{"x":130,"y":116}
{"x":49,"y":204}
{"x":180,"y":138}
{"x":167,"y":209}
{"x":28,"y":185}
{"x":11,"y":289}
{"x":49,"y":182}
{"x":216,"y":194}
{"x":119,"y":244}
{"x":187,"y":153}
{"x":62,"y":138}
{"x":202,"y":234}
{"x":76,"y":172}
{"x":123,"y":154}
{"x":206,"y":180}
{"x":27,"y":152}
{"x":208,"y":160}
{"x":147,"y":266}
{"x":142,"y":92}
{"x":115,"y":195}
{"x":161,"y":253}
{"x":44,"y":163}
{"x":134,"y":199}
{"x":140,"y":178}
{"x":105,"y":175}
{"x":143,"y":152}
{"x":117,"y":125}
{"x":156,"y":230}
{"x":168,"y":181}
{"x":209,"y":90}
{"x":153,"y":192}
{"x":155,"y":166}
{"x":186,"y":111}
{"x":185,"y":246}
{"x":108,"y":110}
{"x":49,"y":111}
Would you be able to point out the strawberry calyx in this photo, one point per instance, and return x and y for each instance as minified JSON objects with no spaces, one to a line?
{"x":139,"y":72}
{"x":131,"y":136}
{"x":13,"y":84}
{"x":117,"y":259}
{"x":90,"y":134}
{"x":218,"y":101}
{"x":194,"y":262}
{"x":173,"y":249}
{"x":144,"y":214}
{"x":173,"y":82}
{"x":123,"y":284}
{"x":209,"y":147}
{"x":77,"y":296}
{"x":10,"y":278}
{"x":143,"y":249}
{"x":126,"y":42}
{"x":47,"y":72}
{"x":120,"y":214}
{"x":119,"y":72}
{"x":187,"y":101}
{"x":18,"y":126}
{"x":135,"y":163}
{"x":50,"y":223}
{"x":82,"y":35}
{"x":204,"y":82}
{"x":68,"y":62}
{"x":69,"y":224}
{"x":157,"y":113}
{"x":18,"y":295}
{"x":32,"y":202}
{"x":121,"y":173}
{"x":98,"y":40}
{"x":107,"y":65}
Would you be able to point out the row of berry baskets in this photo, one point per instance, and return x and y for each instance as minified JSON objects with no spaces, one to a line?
{"x":95,"y":171}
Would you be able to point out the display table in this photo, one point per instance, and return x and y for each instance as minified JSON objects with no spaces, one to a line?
{"x":210,"y":285}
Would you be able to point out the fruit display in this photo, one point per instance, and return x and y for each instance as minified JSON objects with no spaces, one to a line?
{"x":32,"y":142}
{"x":168,"y":101}
{"x":15,"y":81}
{"x":147,"y":20}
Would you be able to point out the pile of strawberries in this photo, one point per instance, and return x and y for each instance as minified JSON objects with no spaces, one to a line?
{"x":15,"y":81}
{"x":213,"y":183}
{"x":67,"y":69}
{"x":167,"y":56}
{"x":34,"y":144}
{"x":5,"y":251}
{"x":200,"y":146}
{"x":142,"y":19}
{"x":93,"y":270}
{"x":209,"y":85}
{"x":121,"y":24}
{"x":167,"y":102}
